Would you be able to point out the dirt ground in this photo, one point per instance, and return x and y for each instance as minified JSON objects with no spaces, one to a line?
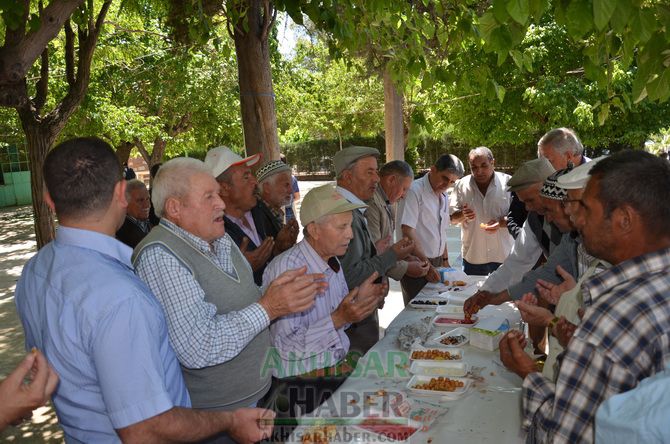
{"x":17,"y":245}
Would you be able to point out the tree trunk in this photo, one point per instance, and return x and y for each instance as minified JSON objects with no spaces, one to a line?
{"x":39,"y":142}
{"x":257,"y":100}
{"x":393,"y":121}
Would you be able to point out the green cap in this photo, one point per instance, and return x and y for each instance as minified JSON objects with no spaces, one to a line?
{"x":343,"y":159}
{"x":533,"y":171}
{"x":324,"y":200}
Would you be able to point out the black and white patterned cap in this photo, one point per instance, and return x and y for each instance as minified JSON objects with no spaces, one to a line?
{"x":550,"y":188}
{"x":271,"y":168}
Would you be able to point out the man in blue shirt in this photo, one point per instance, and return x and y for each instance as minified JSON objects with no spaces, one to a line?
{"x":99,"y":325}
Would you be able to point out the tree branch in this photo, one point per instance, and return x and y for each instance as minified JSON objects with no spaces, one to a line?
{"x":77,"y":90}
{"x":16,"y":57}
{"x":14,"y":36}
{"x":142,"y":149}
{"x":42,"y":86}
{"x":180,"y":127}
{"x":269,"y":16}
{"x":69,"y":53}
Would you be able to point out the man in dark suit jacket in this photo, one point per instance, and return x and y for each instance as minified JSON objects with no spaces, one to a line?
{"x":136,"y":225}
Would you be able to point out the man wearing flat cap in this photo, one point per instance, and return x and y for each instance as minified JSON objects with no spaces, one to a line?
{"x":357,"y":179}
{"x":274,"y":193}
{"x":243,"y":220}
{"x":312,"y":345}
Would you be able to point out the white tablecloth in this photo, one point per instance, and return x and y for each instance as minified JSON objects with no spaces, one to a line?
{"x":490,"y":412}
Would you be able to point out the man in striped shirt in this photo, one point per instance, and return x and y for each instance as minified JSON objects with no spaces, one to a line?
{"x":623,"y":337}
{"x":312,"y":345}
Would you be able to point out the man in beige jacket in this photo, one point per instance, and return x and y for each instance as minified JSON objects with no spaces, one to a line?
{"x":395,"y":178}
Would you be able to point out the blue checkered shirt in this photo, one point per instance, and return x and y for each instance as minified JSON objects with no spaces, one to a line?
{"x":623,"y":338}
{"x":200,"y":337}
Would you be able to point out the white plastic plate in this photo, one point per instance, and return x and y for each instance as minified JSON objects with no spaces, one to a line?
{"x":439,"y":368}
{"x":421,"y":379}
{"x":460,"y":331}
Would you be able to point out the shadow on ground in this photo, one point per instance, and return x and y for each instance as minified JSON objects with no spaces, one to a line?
{"x":17,"y":245}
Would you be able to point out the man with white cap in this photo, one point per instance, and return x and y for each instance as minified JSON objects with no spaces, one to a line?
{"x":274,"y":193}
{"x":357,"y":179}
{"x":217,"y":317}
{"x":312,"y":345}
{"x":243,"y":220}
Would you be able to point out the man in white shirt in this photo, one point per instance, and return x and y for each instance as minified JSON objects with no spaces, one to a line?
{"x":425,"y":219}
{"x":480,"y":202}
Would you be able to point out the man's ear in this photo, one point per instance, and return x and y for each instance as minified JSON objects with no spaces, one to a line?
{"x":120,"y":192}
{"x":49,"y":201}
{"x":172,"y":208}
{"x":625,"y":219}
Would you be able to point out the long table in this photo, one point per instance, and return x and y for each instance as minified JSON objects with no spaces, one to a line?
{"x":490,"y":412}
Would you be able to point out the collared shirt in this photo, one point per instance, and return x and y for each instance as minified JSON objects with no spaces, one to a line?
{"x":622,"y":340}
{"x":200,"y":336}
{"x":102,"y":331}
{"x":637,"y":416}
{"x":276,"y":212}
{"x":351,"y":197}
{"x":143,"y":225}
{"x":478,"y":245}
{"x":308,"y":340}
{"x":249,"y":227}
{"x":428,"y":213}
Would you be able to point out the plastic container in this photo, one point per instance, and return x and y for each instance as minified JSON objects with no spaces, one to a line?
{"x":439,"y":368}
{"x":421,"y":379}
{"x":456,"y":332}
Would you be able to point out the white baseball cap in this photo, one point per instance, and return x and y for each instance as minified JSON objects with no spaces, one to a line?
{"x":219,"y":159}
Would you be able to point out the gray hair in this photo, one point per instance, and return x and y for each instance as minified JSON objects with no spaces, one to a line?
{"x":562,"y":140}
{"x":481,"y":151}
{"x":398,"y":168}
{"x":174,"y":179}
{"x":132,"y":185}
{"x":451,"y":164}
{"x":271,"y":179}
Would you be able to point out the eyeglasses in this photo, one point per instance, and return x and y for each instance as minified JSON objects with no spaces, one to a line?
{"x":566,"y":201}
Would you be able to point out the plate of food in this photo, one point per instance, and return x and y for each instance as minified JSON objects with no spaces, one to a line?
{"x":457,"y":337}
{"x":427,"y":303}
{"x":392,"y":429}
{"x":450,"y":309}
{"x":435,"y":354}
{"x":453,"y":388}
{"x":439,"y":368}
{"x":444,"y":321}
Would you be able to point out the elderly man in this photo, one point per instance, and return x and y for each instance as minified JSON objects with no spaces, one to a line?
{"x":480,"y":203}
{"x":274,"y":192}
{"x":312,"y":345}
{"x":136,"y":225}
{"x":217,"y":317}
{"x":425,"y":219}
{"x":395,"y":178}
{"x":99,"y":325}
{"x":243,"y":219}
{"x":357,"y":179}
{"x":561,"y":147}
{"x":623,"y":335}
